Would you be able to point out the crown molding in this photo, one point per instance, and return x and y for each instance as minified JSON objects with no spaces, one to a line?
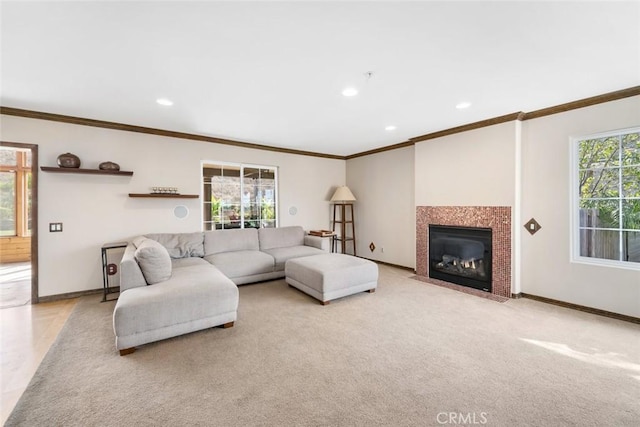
{"x":521,"y":116}
{"x":153,"y":131}
{"x":458,"y":129}
{"x":586,"y":102}
{"x":381,"y":149}
{"x":471,"y":126}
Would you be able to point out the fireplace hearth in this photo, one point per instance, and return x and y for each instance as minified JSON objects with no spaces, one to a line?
{"x":461,"y":255}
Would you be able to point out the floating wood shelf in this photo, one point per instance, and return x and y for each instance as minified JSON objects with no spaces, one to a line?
{"x":164,"y":195}
{"x":85,"y":171}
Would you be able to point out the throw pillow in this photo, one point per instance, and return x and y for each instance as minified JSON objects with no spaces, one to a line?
{"x":138,"y":240}
{"x":154,"y":261}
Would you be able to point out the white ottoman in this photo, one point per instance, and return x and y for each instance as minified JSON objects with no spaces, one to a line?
{"x":330,"y":276}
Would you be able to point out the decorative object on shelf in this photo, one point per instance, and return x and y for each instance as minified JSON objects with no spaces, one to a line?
{"x":68,"y":160}
{"x":343,"y":198}
{"x":109,"y":166}
{"x":164,"y":190}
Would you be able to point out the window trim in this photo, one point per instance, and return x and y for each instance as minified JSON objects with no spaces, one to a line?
{"x":574,"y":205}
{"x":241,"y":166}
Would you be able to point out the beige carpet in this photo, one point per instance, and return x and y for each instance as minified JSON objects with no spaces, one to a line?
{"x":409,"y":354}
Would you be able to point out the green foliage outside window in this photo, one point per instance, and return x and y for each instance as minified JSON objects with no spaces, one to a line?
{"x":7,"y":204}
{"x":609,"y":192}
{"x":610,"y":174}
{"x":268,"y":211}
{"x":215,"y":209}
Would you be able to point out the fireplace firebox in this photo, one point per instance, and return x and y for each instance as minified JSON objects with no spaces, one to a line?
{"x":461,"y":255}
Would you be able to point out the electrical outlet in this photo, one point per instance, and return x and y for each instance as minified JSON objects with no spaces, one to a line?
{"x":55,"y":227}
{"x":382,"y":250}
{"x":112,"y":269}
{"x":532,"y":226}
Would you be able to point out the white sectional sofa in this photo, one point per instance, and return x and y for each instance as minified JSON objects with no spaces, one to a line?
{"x":175,"y":283}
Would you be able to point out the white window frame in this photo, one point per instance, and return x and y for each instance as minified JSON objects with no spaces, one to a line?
{"x":241,"y":166}
{"x":575,"y":205}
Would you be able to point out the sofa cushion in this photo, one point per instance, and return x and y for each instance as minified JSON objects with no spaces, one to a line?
{"x":193,"y":293}
{"x":281,"y":237}
{"x":281,"y":255}
{"x":242,"y":263}
{"x":181,"y":245}
{"x":241,"y":239}
{"x":187,"y":262}
{"x":154,"y":261}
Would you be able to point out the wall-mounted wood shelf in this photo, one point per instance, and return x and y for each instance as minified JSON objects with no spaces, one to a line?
{"x":164,"y":195}
{"x":85,"y":171}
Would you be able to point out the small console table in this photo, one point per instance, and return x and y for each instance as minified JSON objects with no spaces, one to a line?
{"x":109,"y":269}
{"x":326,"y":234}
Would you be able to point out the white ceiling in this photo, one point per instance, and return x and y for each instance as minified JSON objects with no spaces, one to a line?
{"x":272,"y":72}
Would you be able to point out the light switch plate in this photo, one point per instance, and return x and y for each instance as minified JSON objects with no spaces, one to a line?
{"x":55,"y":227}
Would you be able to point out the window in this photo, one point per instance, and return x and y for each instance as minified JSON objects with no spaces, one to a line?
{"x":607,"y":204}
{"x":15,"y":192}
{"x":239,"y":196}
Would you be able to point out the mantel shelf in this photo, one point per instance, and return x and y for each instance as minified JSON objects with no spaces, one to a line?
{"x":85,"y":171}
{"x":164,"y":196}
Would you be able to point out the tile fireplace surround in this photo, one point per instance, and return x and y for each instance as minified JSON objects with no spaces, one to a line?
{"x":498,"y":218}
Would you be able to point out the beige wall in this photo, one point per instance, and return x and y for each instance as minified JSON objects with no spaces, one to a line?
{"x":546,"y":267}
{"x":478,"y":167}
{"x":468,"y":169}
{"x":474,"y":168}
{"x":385,"y":210}
{"x":524,"y":165}
{"x":96,"y":209}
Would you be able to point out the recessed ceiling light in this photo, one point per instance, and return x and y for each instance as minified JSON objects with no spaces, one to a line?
{"x":164,"y":101}
{"x":350,"y":91}
{"x":390,"y":127}
{"x":463,"y":105}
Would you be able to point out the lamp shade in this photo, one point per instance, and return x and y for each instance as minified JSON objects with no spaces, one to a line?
{"x":343,"y":194}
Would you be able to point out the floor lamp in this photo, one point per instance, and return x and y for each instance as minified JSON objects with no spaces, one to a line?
{"x":343,"y":198}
